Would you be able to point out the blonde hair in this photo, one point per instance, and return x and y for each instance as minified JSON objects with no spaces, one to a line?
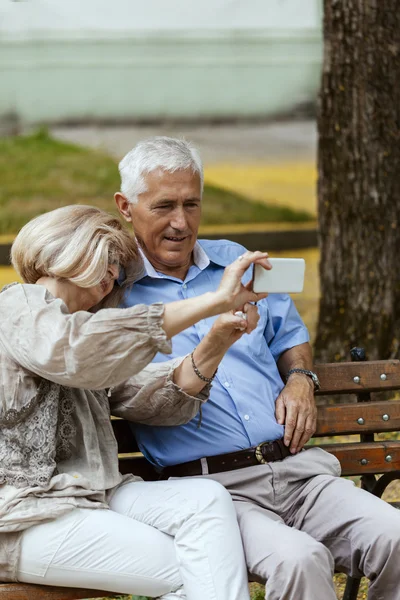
{"x":76,"y":243}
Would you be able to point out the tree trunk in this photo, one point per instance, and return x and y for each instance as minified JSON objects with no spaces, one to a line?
{"x":359,"y":180}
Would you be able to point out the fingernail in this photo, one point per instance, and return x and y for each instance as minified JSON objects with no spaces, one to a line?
{"x":293,"y":450}
{"x":286,"y":442}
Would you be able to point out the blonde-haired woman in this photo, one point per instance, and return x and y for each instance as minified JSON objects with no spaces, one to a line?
{"x":67,"y":517}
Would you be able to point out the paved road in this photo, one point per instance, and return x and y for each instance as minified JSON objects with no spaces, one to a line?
{"x":236,"y":143}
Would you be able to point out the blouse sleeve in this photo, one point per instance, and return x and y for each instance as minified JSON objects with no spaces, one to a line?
{"x":151,"y":397}
{"x":82,"y":350}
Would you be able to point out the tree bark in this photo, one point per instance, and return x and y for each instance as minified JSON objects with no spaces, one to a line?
{"x":359,"y":180}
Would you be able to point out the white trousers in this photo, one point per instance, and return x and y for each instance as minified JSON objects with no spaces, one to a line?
{"x":169,"y":539}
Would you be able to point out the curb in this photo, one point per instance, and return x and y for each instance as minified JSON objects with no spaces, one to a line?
{"x":5,"y":254}
{"x":283,"y":239}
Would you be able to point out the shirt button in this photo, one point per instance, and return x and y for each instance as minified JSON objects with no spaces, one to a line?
{"x":184,"y":286}
{"x":247,"y":418}
{"x":226,"y":384}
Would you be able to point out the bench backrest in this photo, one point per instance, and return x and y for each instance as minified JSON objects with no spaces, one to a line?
{"x":364,"y":415}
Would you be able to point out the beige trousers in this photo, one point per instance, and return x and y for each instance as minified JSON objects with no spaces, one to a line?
{"x":299,"y":520}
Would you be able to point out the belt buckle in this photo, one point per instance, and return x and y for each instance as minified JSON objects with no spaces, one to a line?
{"x":259,"y":455}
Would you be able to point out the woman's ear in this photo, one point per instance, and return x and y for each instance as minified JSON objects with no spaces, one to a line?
{"x":123,"y":206}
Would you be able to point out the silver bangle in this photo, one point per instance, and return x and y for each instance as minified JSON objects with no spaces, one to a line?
{"x":200,"y":375}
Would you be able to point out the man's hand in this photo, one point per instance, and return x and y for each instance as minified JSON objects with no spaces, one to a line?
{"x":296,"y":410}
{"x":231,"y":326}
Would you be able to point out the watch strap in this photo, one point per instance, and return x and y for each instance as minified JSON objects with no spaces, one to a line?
{"x":309,"y":374}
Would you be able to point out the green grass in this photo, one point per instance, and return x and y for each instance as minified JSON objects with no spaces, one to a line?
{"x":39,"y":173}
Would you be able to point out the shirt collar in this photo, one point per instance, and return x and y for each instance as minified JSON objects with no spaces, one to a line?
{"x":201,"y":257}
{"x":149,"y":270}
{"x":218,"y":257}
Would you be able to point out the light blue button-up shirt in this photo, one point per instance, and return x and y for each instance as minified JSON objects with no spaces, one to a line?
{"x":241,"y":410}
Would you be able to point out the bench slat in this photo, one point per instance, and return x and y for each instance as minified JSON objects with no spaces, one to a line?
{"x":375,"y":453}
{"x":343,"y":419}
{"x":21,"y":591}
{"x":338,"y":378}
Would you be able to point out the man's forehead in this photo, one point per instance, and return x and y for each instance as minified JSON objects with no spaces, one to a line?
{"x":178,"y":183}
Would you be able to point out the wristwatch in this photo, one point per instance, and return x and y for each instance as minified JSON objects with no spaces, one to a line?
{"x":311,"y":374}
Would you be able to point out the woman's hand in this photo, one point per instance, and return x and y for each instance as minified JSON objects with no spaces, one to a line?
{"x":231,"y":291}
{"x":231,"y":326}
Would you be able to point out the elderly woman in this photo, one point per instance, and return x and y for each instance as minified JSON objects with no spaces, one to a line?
{"x":67,"y":516}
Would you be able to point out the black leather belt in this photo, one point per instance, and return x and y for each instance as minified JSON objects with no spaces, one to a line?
{"x":263,"y":453}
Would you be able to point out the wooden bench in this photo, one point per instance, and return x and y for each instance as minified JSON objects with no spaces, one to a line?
{"x":364,"y":415}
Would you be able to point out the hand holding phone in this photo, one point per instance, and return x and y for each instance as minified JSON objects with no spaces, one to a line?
{"x":285,"y":277}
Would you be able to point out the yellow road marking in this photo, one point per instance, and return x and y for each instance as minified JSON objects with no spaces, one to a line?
{"x":291,"y":184}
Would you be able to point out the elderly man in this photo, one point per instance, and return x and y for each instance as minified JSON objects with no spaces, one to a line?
{"x":298,"y":518}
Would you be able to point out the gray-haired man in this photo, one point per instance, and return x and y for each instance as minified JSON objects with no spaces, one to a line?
{"x":298,"y":518}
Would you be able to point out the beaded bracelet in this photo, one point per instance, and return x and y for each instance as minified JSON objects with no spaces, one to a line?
{"x":200,"y":375}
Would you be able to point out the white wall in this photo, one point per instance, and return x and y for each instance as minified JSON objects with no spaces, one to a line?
{"x":63,"y":60}
{"x":106,"y":16}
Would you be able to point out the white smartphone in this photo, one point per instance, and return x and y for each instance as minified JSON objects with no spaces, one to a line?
{"x":285,"y":277}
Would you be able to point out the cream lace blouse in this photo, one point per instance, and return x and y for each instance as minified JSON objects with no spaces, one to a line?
{"x":61,"y":375}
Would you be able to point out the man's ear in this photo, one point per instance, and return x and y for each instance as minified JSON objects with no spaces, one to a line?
{"x":123,"y":206}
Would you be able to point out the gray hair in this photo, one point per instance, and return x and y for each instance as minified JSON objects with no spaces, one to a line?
{"x":168,"y":154}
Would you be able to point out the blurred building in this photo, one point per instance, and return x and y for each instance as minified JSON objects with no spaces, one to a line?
{"x":145,"y":60}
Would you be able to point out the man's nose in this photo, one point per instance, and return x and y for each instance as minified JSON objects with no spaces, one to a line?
{"x":178,"y":220}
